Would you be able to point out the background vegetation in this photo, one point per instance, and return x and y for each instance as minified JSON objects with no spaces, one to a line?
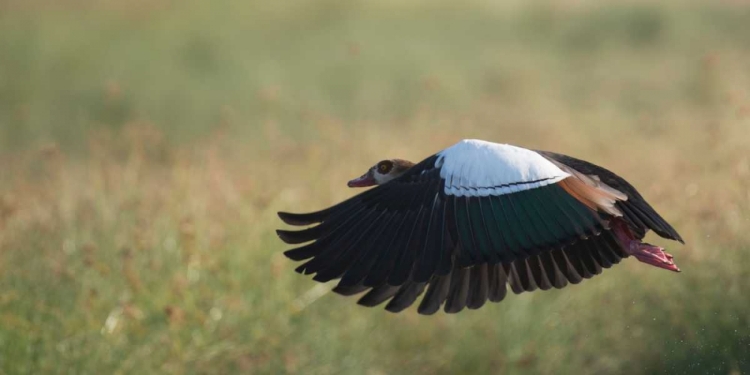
{"x":145,"y":147}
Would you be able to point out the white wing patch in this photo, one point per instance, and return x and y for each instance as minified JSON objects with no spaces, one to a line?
{"x":478,"y":168}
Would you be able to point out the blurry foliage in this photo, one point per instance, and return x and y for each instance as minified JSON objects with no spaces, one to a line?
{"x":146,"y":146}
{"x":178,"y":66}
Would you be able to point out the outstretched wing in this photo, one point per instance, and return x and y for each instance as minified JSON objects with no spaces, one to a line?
{"x":458,"y":227}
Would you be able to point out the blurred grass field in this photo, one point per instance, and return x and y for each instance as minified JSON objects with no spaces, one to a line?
{"x":145,"y":148}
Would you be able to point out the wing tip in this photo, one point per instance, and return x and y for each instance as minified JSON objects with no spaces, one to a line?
{"x":293,"y":237}
{"x":675,"y":236}
{"x":290,"y":218}
{"x":665,"y":230}
{"x":349,"y":290}
{"x":299,"y":253}
{"x":287,"y":236}
{"x":301,"y":219}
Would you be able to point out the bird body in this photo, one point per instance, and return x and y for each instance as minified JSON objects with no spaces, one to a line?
{"x":467,"y":222}
{"x":479,"y":168}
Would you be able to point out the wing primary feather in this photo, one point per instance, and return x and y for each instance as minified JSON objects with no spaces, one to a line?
{"x":661,"y":227}
{"x":386,"y":260}
{"x":573,"y":253}
{"x":540,"y":274}
{"x":580,"y":258}
{"x":378,"y":295}
{"x":479,"y":231}
{"x":330,"y":247}
{"x":315,"y":248}
{"x":452,"y":236}
{"x":304,"y":219}
{"x":430,"y":254}
{"x":610,"y":248}
{"x":634,"y":219}
{"x":590,"y":258}
{"x":615,"y":246}
{"x":596,"y":249}
{"x":478,"y":287}
{"x":514,"y":280}
{"x":349,"y":290}
{"x":383,"y":267}
{"x":459,"y":291}
{"x":303,"y":252}
{"x":405,"y":296}
{"x":586,"y":250}
{"x":344,"y":259}
{"x":322,"y":215}
{"x":422,"y":245}
{"x":606,"y":251}
{"x":331,"y":222}
{"x":656,"y":223}
{"x":404,"y":264}
{"x":470,"y":254}
{"x":296,"y":237}
{"x":359,"y":269}
{"x":570,"y":271}
{"x":554,"y":275}
{"x":497,"y":281}
{"x":525,"y":264}
{"x":436,"y":294}
{"x":446,"y":246}
{"x":535,"y":271}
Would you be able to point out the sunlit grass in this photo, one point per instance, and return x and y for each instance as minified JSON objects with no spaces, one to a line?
{"x":145,"y":154}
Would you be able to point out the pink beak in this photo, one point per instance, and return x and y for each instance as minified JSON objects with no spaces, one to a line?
{"x":363,"y":181}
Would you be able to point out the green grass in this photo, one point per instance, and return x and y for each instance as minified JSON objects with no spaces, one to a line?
{"x":145,"y":149}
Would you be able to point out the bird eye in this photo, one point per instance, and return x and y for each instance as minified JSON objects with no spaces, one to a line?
{"x":384,"y":167}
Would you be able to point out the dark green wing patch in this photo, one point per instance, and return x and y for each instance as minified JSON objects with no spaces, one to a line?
{"x":513,"y":226}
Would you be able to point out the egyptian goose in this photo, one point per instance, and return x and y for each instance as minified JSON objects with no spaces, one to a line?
{"x":471,"y":219}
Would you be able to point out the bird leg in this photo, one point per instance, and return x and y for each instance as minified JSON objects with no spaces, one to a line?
{"x":645,"y":252}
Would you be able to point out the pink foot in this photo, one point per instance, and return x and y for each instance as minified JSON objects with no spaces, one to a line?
{"x":653,"y":255}
{"x":645,"y":252}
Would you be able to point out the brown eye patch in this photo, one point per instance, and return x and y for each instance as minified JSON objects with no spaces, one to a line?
{"x":385,"y":166}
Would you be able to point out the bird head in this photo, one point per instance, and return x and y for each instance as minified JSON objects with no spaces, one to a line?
{"x":381,"y":173}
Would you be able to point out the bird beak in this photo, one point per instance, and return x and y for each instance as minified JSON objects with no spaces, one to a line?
{"x":363,"y":181}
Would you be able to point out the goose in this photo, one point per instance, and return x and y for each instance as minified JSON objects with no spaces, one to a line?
{"x":466,"y":223}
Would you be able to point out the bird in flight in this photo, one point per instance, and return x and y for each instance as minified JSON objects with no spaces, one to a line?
{"x":471,"y":220}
